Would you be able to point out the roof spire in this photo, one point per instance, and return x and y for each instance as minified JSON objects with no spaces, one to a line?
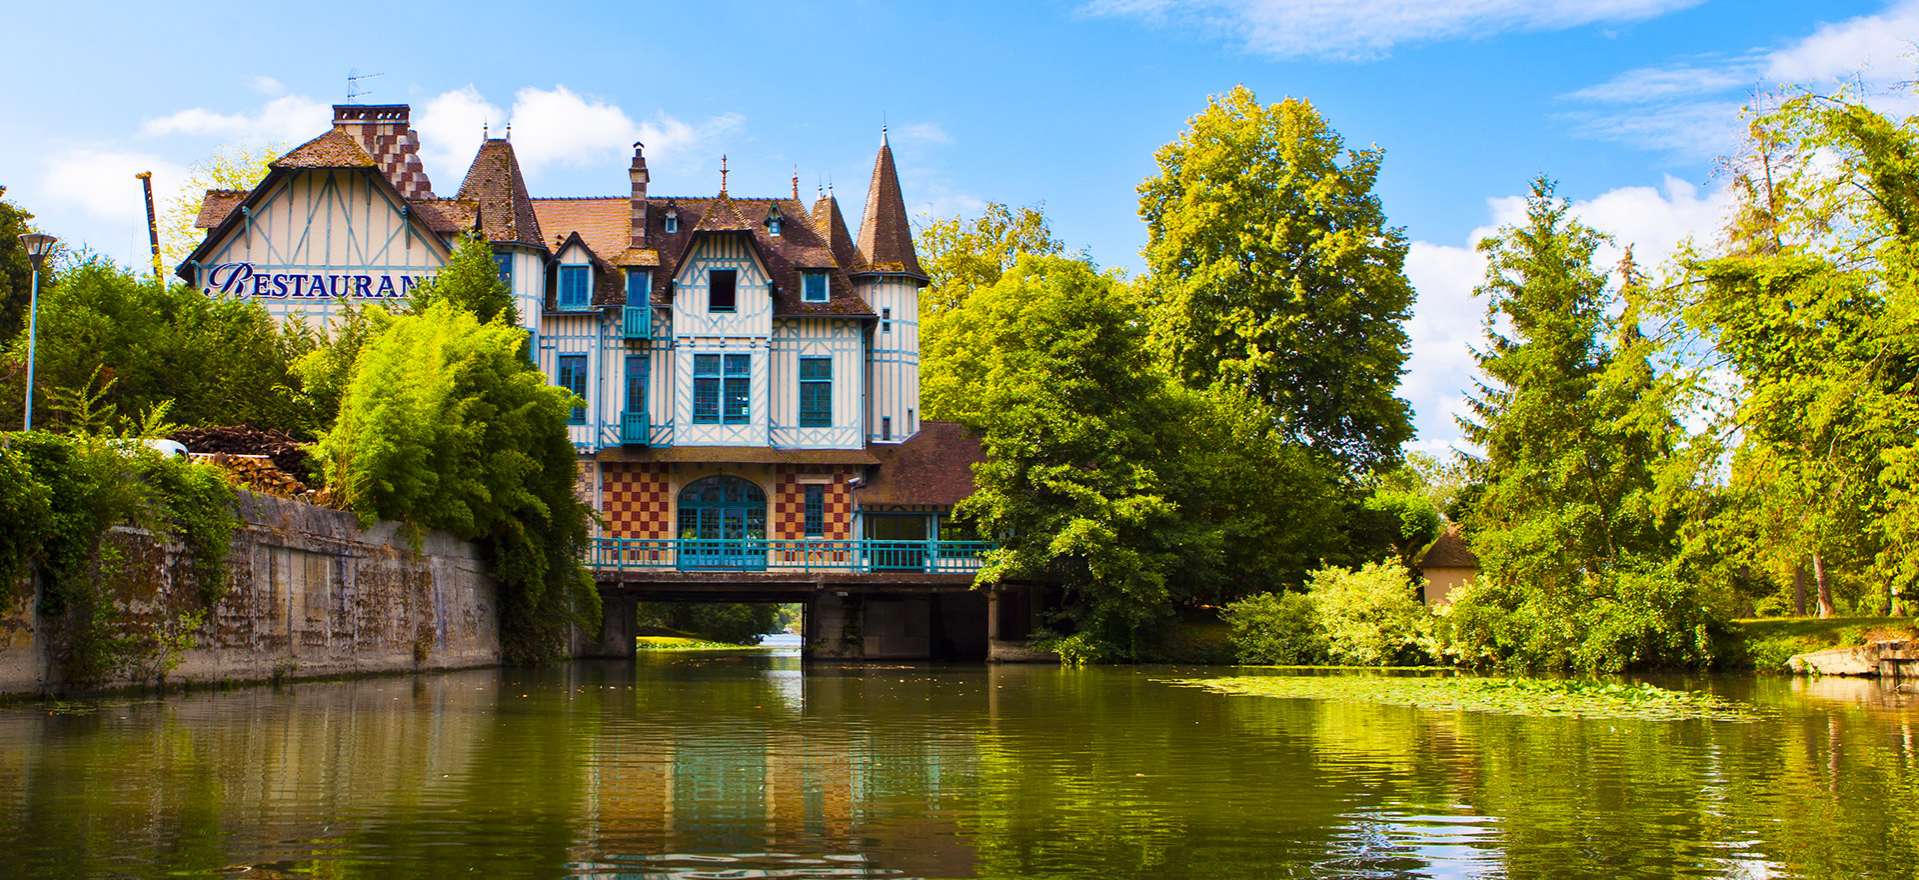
{"x":509,"y":130}
{"x":796,"y":182}
{"x":886,"y":238}
{"x":486,"y":130}
{"x":722,"y":174}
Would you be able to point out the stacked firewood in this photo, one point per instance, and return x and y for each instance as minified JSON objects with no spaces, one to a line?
{"x":287,"y":453}
{"x":256,"y":473}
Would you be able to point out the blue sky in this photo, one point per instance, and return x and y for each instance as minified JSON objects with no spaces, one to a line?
{"x":1625,"y":101}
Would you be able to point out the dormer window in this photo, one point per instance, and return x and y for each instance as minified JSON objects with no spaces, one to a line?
{"x":576,"y":286}
{"x":773,"y":220}
{"x":813,"y":287}
{"x":672,"y":221}
{"x":720,"y":290}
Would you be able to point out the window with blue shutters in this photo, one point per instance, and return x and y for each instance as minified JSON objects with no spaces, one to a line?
{"x":576,"y":287}
{"x":639,"y":287}
{"x":813,"y":287}
{"x":572,"y":377}
{"x":816,"y":392}
{"x":722,"y":389}
{"x":815,"y":510}
{"x":505,"y":264}
{"x":737,"y":402}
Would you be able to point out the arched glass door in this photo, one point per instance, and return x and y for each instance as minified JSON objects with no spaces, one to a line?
{"x":722,"y":525}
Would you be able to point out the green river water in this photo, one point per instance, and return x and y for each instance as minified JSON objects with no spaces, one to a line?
{"x":747,"y":765}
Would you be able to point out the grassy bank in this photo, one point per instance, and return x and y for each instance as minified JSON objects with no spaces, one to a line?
{"x":1769,"y":642}
{"x":687,"y":643}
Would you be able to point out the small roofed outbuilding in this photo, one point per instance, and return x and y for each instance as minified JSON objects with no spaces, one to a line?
{"x":932,"y":470}
{"x":1447,"y":563}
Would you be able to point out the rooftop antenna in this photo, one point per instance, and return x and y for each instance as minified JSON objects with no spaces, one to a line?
{"x":353,"y":79}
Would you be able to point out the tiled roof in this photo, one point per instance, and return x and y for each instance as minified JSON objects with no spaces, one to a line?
{"x":1449,"y":550}
{"x":932,"y":468}
{"x":886,"y":238}
{"x":217,"y":205}
{"x":495,"y":182}
{"x":335,"y":149}
{"x":605,"y":227}
{"x":451,"y":216}
{"x":830,"y":224}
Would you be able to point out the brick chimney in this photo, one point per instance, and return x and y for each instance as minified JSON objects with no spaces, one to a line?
{"x":386,"y":133}
{"x":637,"y":174}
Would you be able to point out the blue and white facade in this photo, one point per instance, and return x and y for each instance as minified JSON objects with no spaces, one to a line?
{"x":725,"y":348}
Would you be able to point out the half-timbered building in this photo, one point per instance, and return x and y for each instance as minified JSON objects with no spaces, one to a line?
{"x":749,"y":367}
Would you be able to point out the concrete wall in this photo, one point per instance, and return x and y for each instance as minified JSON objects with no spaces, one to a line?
{"x":312,"y":594}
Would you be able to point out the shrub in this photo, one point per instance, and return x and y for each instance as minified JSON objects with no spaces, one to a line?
{"x":1638,"y":618}
{"x":1372,"y":616}
{"x":1279,"y":629}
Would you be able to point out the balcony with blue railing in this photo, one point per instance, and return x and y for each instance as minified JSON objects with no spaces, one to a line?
{"x":802,"y":556}
{"x":635,"y":429}
{"x":636,"y":322}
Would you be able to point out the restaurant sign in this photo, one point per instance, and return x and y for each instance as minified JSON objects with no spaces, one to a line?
{"x":265,"y":282}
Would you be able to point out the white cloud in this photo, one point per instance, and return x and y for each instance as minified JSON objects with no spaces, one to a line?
{"x":288,"y":119}
{"x":1879,"y":46}
{"x":1690,"y":107}
{"x":1359,"y":29}
{"x":101,"y":182}
{"x":1448,"y":319}
{"x":450,"y":126}
{"x":929,"y":132}
{"x":267,"y":86}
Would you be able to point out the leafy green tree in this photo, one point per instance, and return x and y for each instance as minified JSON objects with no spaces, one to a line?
{"x":221,"y":361}
{"x":1567,"y":470}
{"x":230,"y":167}
{"x":1577,"y":566}
{"x":446,"y":425}
{"x":1808,"y":308}
{"x":1069,"y":485}
{"x":471,"y":280}
{"x":961,"y":256}
{"x":16,"y":272}
{"x":1275,"y":273}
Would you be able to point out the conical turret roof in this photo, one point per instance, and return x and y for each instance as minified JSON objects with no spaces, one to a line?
{"x":886,"y":238}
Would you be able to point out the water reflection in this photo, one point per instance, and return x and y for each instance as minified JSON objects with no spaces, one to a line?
{"x":748,"y":766}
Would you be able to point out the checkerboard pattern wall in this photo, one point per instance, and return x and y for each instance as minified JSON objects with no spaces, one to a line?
{"x":789,"y":503}
{"x":635,"y":500}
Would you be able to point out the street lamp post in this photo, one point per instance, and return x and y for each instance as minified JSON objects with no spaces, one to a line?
{"x":39,"y":245}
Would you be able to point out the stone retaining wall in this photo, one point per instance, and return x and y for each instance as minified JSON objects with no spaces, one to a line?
{"x":312,"y":594}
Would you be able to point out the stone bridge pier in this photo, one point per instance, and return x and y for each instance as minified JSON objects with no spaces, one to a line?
{"x":847,"y":617}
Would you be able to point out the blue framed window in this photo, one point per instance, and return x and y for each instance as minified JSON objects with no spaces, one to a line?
{"x":815,"y":510}
{"x":886,"y":427}
{"x":813,"y":287}
{"x":722,"y":294}
{"x":672,"y":222}
{"x":639,"y":287}
{"x":773,"y":225}
{"x":706,"y":389}
{"x":576,"y":283}
{"x":886,"y":320}
{"x":636,"y":370}
{"x":736,"y":404}
{"x":816,"y":392}
{"x":571,"y":369}
{"x":722,"y":389}
{"x":505,"y":264}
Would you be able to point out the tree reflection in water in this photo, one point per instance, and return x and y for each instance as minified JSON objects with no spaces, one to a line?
{"x":740,"y":765}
